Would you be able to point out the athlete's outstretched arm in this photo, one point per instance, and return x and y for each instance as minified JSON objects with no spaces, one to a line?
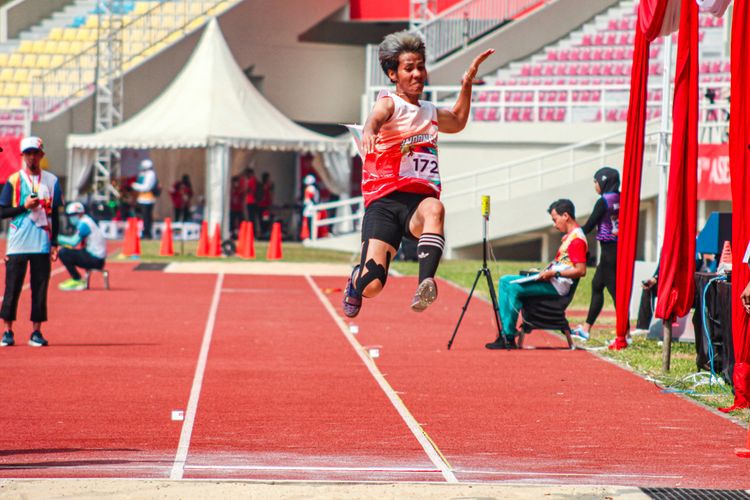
{"x":380,"y":113}
{"x":454,"y":120}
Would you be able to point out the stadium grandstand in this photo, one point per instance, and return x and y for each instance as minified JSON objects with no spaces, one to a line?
{"x":550,"y":109}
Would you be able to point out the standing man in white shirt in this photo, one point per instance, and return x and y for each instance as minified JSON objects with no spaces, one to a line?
{"x":145,"y":186}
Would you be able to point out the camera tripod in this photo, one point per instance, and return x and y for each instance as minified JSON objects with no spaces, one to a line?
{"x":484,"y":270}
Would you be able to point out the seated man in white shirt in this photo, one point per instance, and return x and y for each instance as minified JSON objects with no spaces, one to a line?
{"x":93,"y":253}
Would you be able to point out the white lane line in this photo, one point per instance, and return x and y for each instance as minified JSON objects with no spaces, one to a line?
{"x":178,"y":468}
{"x":309,"y":469}
{"x":429,"y":447}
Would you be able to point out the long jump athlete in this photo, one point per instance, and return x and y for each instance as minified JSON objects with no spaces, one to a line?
{"x":400,"y":174}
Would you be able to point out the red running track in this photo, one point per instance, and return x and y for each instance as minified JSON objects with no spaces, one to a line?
{"x":284,"y":394}
{"x":543,"y":415}
{"x":286,"y":397}
{"x":97,"y":401}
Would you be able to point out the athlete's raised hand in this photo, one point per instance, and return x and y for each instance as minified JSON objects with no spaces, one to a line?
{"x":471,"y":73}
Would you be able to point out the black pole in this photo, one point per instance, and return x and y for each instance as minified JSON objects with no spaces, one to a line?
{"x":486,"y":272}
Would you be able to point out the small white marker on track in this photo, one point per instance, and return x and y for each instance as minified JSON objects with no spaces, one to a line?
{"x":178,"y":415}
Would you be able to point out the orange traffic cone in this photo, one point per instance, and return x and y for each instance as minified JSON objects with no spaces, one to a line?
{"x":744,"y":452}
{"x":274,"y":245}
{"x":248,"y":243}
{"x":132,"y":244}
{"x":241,"y":238}
{"x":215,"y":248}
{"x":304,"y":233}
{"x":202,"y":250}
{"x":166,"y":249}
{"x":725,"y":264}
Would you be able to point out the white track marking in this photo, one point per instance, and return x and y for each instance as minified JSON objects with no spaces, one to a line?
{"x":427,"y":444}
{"x":310,"y":469}
{"x":178,"y":468}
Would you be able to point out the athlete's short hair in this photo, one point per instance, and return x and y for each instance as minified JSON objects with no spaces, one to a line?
{"x":395,"y":44}
{"x":563,"y":206}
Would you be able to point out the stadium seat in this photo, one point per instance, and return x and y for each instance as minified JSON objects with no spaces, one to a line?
{"x":21,"y":75}
{"x":29,"y":61}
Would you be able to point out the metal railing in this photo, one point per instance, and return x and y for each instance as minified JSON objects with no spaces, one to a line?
{"x":142,"y":35}
{"x":456,"y":27}
{"x":560,"y":103}
{"x":348,"y":215}
{"x":526,"y":176}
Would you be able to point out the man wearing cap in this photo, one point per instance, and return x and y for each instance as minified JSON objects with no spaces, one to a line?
{"x":31,"y":199}
{"x":145,"y":186}
{"x":94,"y":250}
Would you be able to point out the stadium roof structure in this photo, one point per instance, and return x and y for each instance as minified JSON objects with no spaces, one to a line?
{"x":210,"y":102}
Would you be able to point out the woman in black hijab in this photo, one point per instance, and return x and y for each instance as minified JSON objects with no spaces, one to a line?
{"x":605,"y":218}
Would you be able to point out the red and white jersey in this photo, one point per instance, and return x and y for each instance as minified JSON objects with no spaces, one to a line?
{"x":406,"y":153}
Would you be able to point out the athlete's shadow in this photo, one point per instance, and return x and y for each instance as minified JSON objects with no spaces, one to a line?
{"x":49,"y":451}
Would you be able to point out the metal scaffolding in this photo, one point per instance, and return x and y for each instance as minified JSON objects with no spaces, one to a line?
{"x":108,"y":108}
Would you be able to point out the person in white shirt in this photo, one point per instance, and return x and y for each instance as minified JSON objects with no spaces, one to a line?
{"x":145,"y":186}
{"x":93,"y":253}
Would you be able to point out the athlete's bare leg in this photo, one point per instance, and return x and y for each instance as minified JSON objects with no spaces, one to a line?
{"x":427,"y":224}
{"x":428,"y":218}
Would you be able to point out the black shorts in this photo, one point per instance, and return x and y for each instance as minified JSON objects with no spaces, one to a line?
{"x":387,"y":218}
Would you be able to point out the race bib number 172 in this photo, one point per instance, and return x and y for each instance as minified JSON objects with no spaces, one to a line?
{"x":420,"y":165}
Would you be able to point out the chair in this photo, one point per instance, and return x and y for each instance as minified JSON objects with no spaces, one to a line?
{"x":104,"y":273}
{"x":547,"y":313}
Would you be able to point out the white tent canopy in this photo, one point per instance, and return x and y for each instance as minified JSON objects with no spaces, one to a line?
{"x":210,"y":104}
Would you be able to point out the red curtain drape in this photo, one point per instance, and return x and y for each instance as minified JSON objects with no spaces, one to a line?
{"x":650,"y":21}
{"x":739,"y":162}
{"x":677,"y":265}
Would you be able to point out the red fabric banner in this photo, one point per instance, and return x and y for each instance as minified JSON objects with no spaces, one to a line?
{"x":10,"y":158}
{"x":677,"y":265}
{"x":658,"y":17}
{"x":630,"y":195}
{"x":739,"y":161}
{"x":714,"y":179}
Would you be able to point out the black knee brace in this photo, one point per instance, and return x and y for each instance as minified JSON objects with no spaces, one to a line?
{"x":370,"y":271}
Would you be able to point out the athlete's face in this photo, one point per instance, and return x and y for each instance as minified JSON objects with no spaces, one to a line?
{"x":597,"y":187}
{"x":411,"y":74}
